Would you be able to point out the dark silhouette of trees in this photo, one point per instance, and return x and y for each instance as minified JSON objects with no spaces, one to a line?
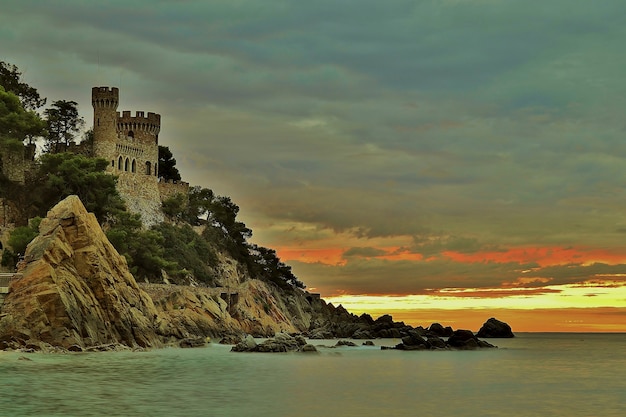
{"x":167,"y":164}
{"x":63,"y":123}
{"x":11,"y":80}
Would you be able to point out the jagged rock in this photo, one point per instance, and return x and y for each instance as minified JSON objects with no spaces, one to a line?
{"x":463,"y":339}
{"x":193,"y":342}
{"x":437,"y":329}
{"x":368,"y":343}
{"x":494,"y":328}
{"x":414,"y":339}
{"x":436,"y":342}
{"x":75,"y":289}
{"x":281,"y":342}
{"x":230,"y":340}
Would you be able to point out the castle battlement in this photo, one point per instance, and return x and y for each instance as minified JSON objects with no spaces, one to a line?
{"x":150,"y":123}
{"x":105,"y":97}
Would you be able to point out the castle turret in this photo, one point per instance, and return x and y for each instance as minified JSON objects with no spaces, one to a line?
{"x":130,"y":144}
{"x":104,"y":101}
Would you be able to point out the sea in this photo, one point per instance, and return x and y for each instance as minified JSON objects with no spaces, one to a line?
{"x":533,"y":374}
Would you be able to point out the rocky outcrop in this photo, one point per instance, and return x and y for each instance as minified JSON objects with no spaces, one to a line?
{"x":282,"y":342}
{"x":459,"y":339}
{"x":494,"y":328}
{"x":75,"y":290}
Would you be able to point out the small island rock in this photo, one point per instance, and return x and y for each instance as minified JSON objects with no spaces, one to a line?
{"x":494,"y":328}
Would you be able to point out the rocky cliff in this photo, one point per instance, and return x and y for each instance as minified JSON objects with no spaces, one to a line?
{"x":76,"y":293}
{"x":76,"y":290}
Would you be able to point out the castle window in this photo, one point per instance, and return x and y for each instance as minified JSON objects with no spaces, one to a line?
{"x":113,"y":163}
{"x":134,"y":166}
{"x":131,"y":134}
{"x":119,"y":163}
{"x":148,"y":168}
{"x":126,"y":165}
{"x":98,"y":121}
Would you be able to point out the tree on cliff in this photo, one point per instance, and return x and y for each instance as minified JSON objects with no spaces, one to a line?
{"x":64,"y":123}
{"x":11,"y":80}
{"x":16,"y":123}
{"x":18,"y":240}
{"x":60,"y":175}
{"x":143,"y":249}
{"x":268,"y":266}
{"x":167,"y":164}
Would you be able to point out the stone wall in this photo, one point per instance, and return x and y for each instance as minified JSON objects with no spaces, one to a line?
{"x":141,"y":195}
{"x":169,"y":188}
{"x":15,"y":160}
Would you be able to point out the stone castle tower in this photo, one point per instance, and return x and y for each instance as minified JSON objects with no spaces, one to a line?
{"x":131,"y":144}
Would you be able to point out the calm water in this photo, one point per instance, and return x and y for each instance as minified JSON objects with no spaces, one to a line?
{"x":531,"y":375}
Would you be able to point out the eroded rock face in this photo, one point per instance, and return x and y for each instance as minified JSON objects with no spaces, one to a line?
{"x":76,"y":290}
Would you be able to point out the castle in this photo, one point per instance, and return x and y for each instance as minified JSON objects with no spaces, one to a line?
{"x":131,"y":144}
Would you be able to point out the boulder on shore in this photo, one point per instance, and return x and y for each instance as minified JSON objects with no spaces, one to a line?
{"x":281,"y":342}
{"x":494,"y":328}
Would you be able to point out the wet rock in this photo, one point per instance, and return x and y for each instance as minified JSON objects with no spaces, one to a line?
{"x":436,"y":342}
{"x":193,"y":342}
{"x":308,"y":348}
{"x":281,"y":342}
{"x":463,"y":339}
{"x":437,"y":329}
{"x":345,"y":343}
{"x":494,"y":328}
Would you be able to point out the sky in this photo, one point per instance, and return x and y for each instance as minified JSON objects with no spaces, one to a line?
{"x":439,"y":160}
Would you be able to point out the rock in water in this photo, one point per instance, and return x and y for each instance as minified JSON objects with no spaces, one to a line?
{"x":76,"y":290}
{"x":495,"y":328}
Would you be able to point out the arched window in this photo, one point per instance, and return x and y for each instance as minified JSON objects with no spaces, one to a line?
{"x":148,"y":168}
{"x":131,"y":134}
{"x":126,"y":165}
{"x":119,"y":163}
{"x":133,"y":166}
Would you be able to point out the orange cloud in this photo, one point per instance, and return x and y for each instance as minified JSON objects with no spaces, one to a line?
{"x":328,"y":256}
{"x":545,"y":256}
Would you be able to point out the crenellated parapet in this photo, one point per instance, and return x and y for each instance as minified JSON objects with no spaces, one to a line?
{"x":105,"y":97}
{"x":140,"y":122}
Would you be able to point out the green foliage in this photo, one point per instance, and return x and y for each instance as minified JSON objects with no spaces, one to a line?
{"x":64,"y":174}
{"x":143,"y":249}
{"x":174,"y":207}
{"x":15,"y":122}
{"x":199,"y":205}
{"x":19,"y":239}
{"x":189,"y":251}
{"x":63,"y":122}
{"x":267,"y":266}
{"x":167,"y":164}
{"x":10,"y":79}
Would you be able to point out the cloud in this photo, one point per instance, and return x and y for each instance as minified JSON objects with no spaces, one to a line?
{"x":364,"y":252}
